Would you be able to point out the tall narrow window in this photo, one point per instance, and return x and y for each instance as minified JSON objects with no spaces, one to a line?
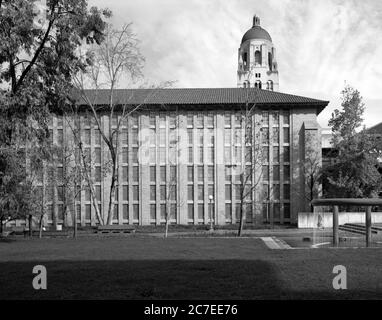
{"x":257,"y":57}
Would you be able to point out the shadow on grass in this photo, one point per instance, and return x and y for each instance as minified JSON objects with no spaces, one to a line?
{"x":157,"y":279}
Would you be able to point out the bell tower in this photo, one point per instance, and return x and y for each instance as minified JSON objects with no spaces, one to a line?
{"x":257,"y":66}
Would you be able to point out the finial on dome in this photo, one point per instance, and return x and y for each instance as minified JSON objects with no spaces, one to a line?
{"x":256,"y":21}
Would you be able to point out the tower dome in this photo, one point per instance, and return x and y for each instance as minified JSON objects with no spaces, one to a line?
{"x":256,"y":32}
{"x":257,"y":65}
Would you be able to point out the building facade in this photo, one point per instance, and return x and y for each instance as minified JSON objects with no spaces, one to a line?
{"x":257,"y":65}
{"x":194,"y":142}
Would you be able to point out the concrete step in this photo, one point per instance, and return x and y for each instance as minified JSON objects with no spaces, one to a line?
{"x":359,"y":225}
{"x":356,"y":229}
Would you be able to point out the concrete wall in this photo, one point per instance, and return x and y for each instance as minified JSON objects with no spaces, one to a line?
{"x":310,"y":220}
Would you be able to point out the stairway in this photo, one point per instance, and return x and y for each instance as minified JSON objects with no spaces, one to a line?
{"x":359,"y":228}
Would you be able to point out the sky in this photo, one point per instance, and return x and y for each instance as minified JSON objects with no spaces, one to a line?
{"x":320,"y":45}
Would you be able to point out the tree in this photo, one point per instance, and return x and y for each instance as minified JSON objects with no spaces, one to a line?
{"x":355,"y":171}
{"x":37,"y":62}
{"x":252,"y":161}
{"x":117,"y":58}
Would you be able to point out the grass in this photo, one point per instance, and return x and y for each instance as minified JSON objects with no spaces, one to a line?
{"x":183,"y":268}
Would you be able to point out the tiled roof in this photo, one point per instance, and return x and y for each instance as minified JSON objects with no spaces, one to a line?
{"x":200,"y":96}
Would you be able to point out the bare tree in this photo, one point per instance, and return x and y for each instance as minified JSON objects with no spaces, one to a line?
{"x":117,"y":58}
{"x":250,"y":166}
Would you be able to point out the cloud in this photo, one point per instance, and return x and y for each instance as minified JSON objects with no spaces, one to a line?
{"x":320,"y":44}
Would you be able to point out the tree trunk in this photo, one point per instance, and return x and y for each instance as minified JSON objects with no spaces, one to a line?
{"x":40,"y":226}
{"x":74,"y":223}
{"x":30,"y":225}
{"x":241,"y":223}
{"x":166,"y":228}
{"x":112,"y":192}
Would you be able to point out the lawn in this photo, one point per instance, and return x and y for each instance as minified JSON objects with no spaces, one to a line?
{"x":137,"y":267}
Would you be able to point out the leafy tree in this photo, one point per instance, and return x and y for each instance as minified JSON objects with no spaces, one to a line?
{"x":355,"y":171}
{"x":37,"y":62}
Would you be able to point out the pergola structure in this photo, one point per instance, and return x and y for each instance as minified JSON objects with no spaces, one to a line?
{"x":335,"y":202}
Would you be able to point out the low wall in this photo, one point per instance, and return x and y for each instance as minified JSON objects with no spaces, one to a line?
{"x":311,"y":220}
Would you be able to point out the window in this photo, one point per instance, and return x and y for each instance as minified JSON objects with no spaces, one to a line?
{"x":152,"y":174}
{"x":265,"y":154}
{"x":87,"y":211}
{"x":190,"y":193}
{"x":97,"y":137}
{"x":228,"y":211}
{"x":162,"y":155}
{"x":98,"y":193}
{"x":276,"y":210}
{"x":153,"y":211}
{"x":199,"y":120}
{"x":210,"y":173}
{"x":237,"y":154}
{"x":265,"y":173}
{"x":200,"y":174}
{"x":200,"y":211}
{"x":190,"y":209}
{"x":190,"y":174}
{"x":227,"y":154}
{"x":276,"y":173}
{"x":135,"y":211}
{"x":275,"y":118}
{"x":200,"y":192}
{"x":97,"y":174}
{"x":286,"y":134}
{"x":190,"y":155}
{"x":190,"y":136}
{"x":228,"y":174}
{"x":286,"y":210}
{"x":134,"y":136}
{"x":162,"y":190}
{"x":265,"y":192}
{"x":210,"y":120}
{"x":162,"y":120}
{"x":211,"y":191}
{"x":200,"y":134}
{"x":265,"y":135}
{"x":135,"y":174}
{"x":134,"y":155}
{"x":258,"y":84}
{"x":286,"y":191}
{"x":286,"y":173}
{"x":276,"y":192}
{"x":162,"y":137}
{"x":265,"y":118}
{"x":152,"y":137}
{"x":125,"y":174}
{"x":125,"y":193}
{"x":136,"y":193}
{"x":152,"y":155}
{"x":210,"y":136}
{"x":210,"y":154}
{"x":200,"y":154}
{"x":153,"y":195}
{"x":163,"y":174}
{"x":276,"y":137}
{"x":276,"y":154}
{"x":257,"y":57}
{"x":228,"y":192}
{"x":60,"y":137}
{"x":190,"y":120}
{"x":227,"y":120}
{"x":286,"y":154}
{"x":227,"y":136}
{"x":172,"y":173}
{"x":152,"y":120}
{"x":87,"y":136}
{"x":124,"y":136}
{"x":286,"y":118}
{"x":97,"y":155}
